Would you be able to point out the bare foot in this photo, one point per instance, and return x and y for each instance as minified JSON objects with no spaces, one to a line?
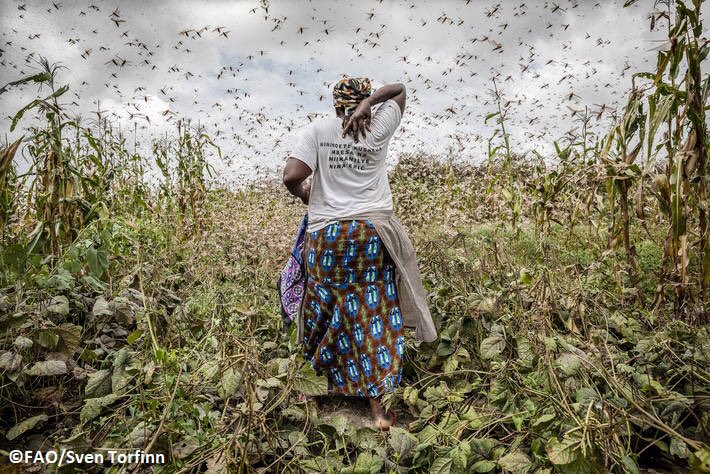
{"x":380,"y":419}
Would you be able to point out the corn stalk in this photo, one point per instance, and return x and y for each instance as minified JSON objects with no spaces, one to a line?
{"x":67,"y":187}
{"x":8,"y":187}
{"x":622,"y":170}
{"x":682,"y":191}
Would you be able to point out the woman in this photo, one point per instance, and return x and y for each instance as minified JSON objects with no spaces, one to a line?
{"x":363,"y":285}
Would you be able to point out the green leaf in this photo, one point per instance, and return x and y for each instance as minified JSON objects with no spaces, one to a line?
{"x":59,"y":305}
{"x":41,"y":77}
{"x":34,"y":238}
{"x":48,"y":339}
{"x":13,"y":256}
{"x":630,"y":465}
{"x":339,"y":423}
{"x":93,"y":406}
{"x":428,"y":434}
{"x":450,"y":364}
{"x":544,"y":419}
{"x":210,"y":370}
{"x":58,"y":92}
{"x":484,"y":466}
{"x":96,"y":285}
{"x":25,"y":426}
{"x":515,"y":462}
{"x":98,"y":384}
{"x":97,"y":260}
{"x":318,"y":464}
{"x":679,"y":448}
{"x":366,"y":463}
{"x":483,"y":446}
{"x":21,"y":112}
{"x":140,"y":435}
{"x":10,"y":361}
{"x":122,"y":374}
{"x":700,"y":460}
{"x":134,"y":336}
{"x":402,"y":441}
{"x":48,"y":367}
{"x":444,"y":349}
{"x":69,"y":338}
{"x":309,"y":383}
{"x":584,"y":395}
{"x":229,"y":383}
{"x":563,"y":452}
{"x":525,"y":277}
{"x":101,"y":307}
{"x":442,"y":465}
{"x":568,"y":363}
{"x":474,"y":418}
{"x":34,"y":103}
{"x":489,"y":116}
{"x":460,"y":454}
{"x":491,"y":347}
{"x":411,"y":395}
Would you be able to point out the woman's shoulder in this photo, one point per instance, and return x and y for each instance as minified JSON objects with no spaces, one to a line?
{"x":326,"y":121}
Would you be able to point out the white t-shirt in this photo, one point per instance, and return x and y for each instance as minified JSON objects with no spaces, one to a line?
{"x":348,"y":177}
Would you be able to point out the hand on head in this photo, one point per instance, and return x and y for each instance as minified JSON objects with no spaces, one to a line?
{"x":351,"y":93}
{"x":359,"y":121}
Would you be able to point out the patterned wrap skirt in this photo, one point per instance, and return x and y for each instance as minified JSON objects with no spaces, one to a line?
{"x":353,"y":327}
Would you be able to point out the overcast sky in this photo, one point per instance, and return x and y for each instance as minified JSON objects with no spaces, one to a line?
{"x":253,"y":71}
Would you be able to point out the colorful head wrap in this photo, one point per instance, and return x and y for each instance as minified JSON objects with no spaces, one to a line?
{"x":348,"y":92}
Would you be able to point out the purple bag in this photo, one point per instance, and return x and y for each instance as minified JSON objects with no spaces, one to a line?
{"x":292,"y":283}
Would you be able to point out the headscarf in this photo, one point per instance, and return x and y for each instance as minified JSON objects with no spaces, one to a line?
{"x":348,"y":92}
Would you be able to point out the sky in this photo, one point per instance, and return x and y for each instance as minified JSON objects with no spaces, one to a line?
{"x":254,"y":72}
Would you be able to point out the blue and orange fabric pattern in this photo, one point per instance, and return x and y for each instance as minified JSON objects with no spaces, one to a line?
{"x":353,"y":328}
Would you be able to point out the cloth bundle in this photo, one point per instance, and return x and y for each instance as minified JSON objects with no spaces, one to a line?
{"x":292,"y":283}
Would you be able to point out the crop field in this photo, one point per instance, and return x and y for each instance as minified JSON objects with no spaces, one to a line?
{"x":572,"y":299}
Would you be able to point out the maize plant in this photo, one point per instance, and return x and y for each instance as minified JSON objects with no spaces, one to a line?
{"x":67,"y":187}
{"x":512,"y":196}
{"x":185,"y":170}
{"x":54,"y":189}
{"x":682,"y":190}
{"x":8,"y":184}
{"x":548,"y":187}
{"x":161,"y":155}
{"x":192,"y":170}
{"x":622,"y":170}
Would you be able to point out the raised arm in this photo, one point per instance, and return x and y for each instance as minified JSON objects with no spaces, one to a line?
{"x":396,"y":92}
{"x":360,"y":119}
